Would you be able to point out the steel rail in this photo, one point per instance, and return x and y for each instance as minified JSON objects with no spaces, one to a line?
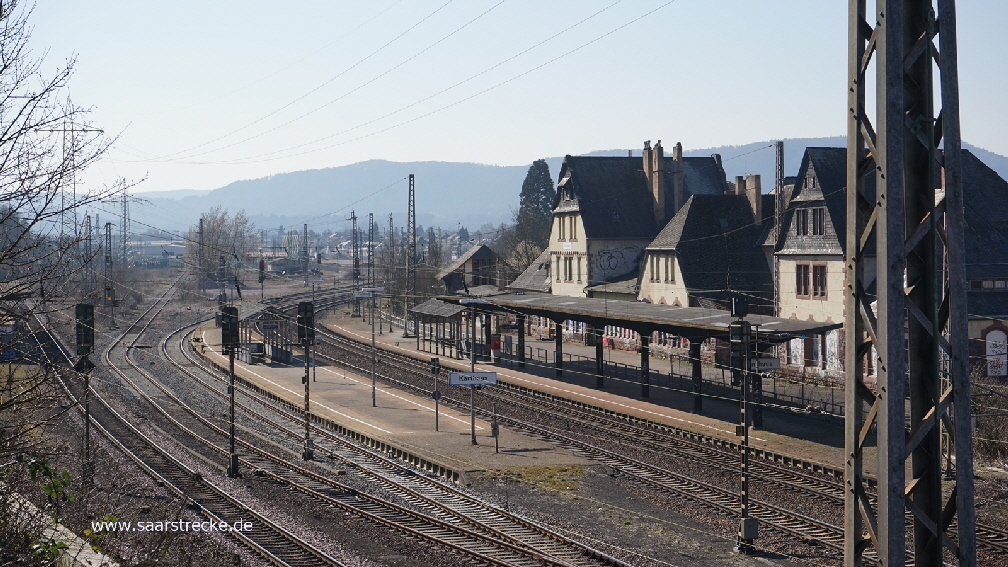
{"x":355,"y":497}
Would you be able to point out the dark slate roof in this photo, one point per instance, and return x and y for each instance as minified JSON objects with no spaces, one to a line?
{"x":628,"y":286}
{"x":478,"y":250}
{"x":987,"y":305}
{"x":612,"y":194}
{"x":536,"y":277}
{"x":717,"y":245}
{"x":701,"y":176}
{"x":985,"y":208}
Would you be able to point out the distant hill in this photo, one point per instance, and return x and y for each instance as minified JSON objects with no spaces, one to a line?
{"x":447,"y":193}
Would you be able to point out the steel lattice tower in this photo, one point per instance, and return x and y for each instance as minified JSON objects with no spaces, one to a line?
{"x":370,"y":251}
{"x":124,"y":229}
{"x":304,"y":254}
{"x":355,"y":270}
{"x":411,"y":253}
{"x":391,"y":250}
{"x":86,"y":278}
{"x":108,"y":261}
{"x":913,"y":246}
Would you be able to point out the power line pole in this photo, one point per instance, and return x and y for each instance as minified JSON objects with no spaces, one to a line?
{"x":391,"y":267}
{"x":919,"y":332}
{"x":304,"y":254}
{"x":370,"y":261}
{"x":411,"y":252}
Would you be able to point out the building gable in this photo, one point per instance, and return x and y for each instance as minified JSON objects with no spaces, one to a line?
{"x":820,"y":189}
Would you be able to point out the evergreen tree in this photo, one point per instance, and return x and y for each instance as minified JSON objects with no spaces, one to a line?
{"x":535,"y":205}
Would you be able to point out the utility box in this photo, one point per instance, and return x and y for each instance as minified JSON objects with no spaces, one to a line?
{"x":748,"y":529}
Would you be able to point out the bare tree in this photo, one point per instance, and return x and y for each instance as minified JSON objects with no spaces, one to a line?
{"x":45,"y":142}
{"x":224,"y":235}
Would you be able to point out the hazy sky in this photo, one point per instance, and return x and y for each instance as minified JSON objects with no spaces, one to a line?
{"x":204,"y":93}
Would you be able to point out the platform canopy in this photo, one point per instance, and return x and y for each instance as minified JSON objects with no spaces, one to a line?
{"x":646,"y":318}
{"x":438,"y":309}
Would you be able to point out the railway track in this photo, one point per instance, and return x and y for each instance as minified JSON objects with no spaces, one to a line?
{"x":826,"y":486}
{"x":265,"y":537}
{"x":435,"y":512}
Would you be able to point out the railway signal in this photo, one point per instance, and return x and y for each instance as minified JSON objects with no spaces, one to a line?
{"x":229,"y":343}
{"x":306,"y":336}
{"x":306,"y":323}
{"x":739,"y":337}
{"x":84,"y":315}
{"x":229,"y":328}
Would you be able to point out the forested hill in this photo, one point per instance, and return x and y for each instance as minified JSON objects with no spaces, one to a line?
{"x":447,"y":193}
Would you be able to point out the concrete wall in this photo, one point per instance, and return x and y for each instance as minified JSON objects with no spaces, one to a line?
{"x":828,"y":310}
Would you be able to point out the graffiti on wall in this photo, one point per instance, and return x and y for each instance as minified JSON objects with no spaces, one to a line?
{"x":616,"y":261}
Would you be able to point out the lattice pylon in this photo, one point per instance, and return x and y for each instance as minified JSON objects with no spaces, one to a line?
{"x":912,"y":244}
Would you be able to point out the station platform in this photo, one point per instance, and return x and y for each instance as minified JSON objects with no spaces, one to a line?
{"x":812,"y":437}
{"x":399,"y":419}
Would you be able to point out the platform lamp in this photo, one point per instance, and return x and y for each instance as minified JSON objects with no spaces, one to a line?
{"x":371,"y":291}
{"x":472,"y":363}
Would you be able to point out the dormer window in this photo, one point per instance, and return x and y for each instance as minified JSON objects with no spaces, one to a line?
{"x":819,"y":220}
{"x":801,"y":222}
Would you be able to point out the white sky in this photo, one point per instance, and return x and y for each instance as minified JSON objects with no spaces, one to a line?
{"x":204,"y":93}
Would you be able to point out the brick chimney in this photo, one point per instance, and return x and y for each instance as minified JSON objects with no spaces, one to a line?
{"x":677,"y":178}
{"x":654,"y":172}
{"x":658,"y":184}
{"x":754,"y":192}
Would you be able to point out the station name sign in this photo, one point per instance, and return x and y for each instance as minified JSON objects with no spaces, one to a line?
{"x":764,"y":364}
{"x":472,"y":378}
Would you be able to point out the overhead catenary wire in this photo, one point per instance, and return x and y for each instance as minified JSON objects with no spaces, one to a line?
{"x":263,"y":157}
{"x":320,"y":86}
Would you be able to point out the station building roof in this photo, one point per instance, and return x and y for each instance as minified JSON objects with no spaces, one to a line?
{"x":690,"y":322}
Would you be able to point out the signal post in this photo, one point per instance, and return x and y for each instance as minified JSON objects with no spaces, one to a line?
{"x":84,"y":315}
{"x":306,"y":336}
{"x":230,"y":342}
